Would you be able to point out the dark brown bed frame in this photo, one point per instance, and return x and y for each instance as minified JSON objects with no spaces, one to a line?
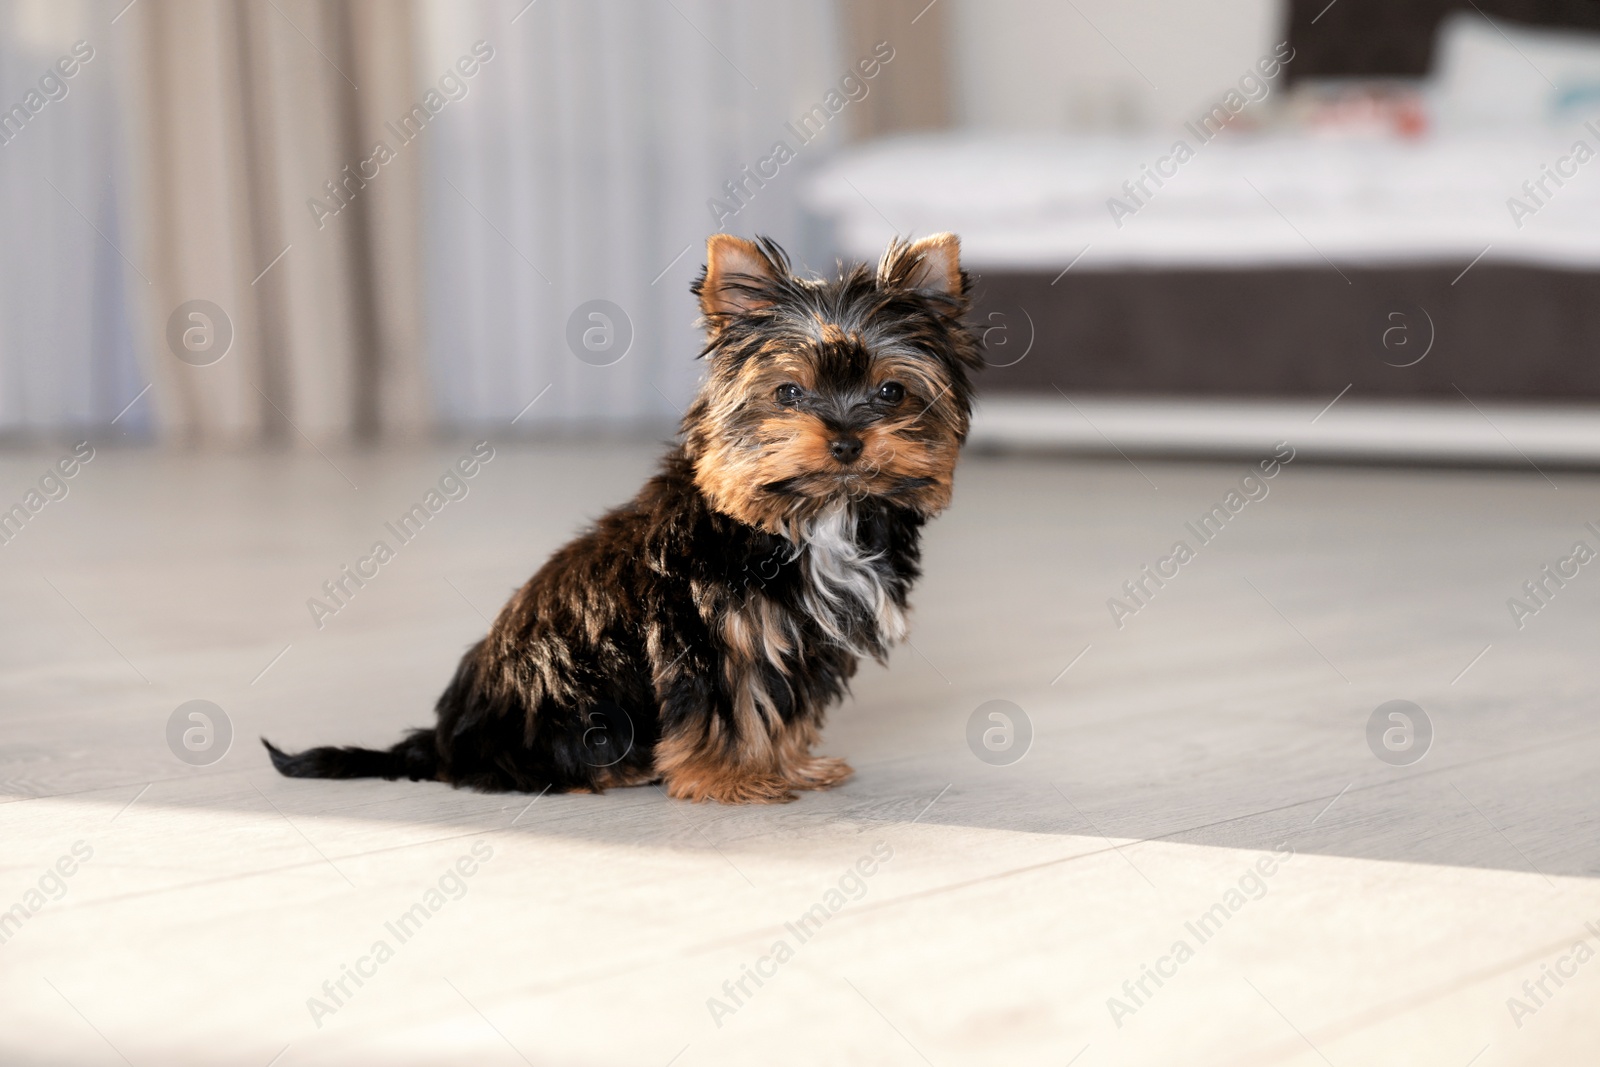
{"x":1394,"y":38}
{"x":1410,"y":331}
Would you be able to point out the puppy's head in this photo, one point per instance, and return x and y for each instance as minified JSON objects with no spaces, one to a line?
{"x":822,"y":391}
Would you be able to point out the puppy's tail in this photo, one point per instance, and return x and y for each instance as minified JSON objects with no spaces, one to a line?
{"x":416,"y":758}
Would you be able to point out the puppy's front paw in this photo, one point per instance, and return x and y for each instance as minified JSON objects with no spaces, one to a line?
{"x":730,"y":789}
{"x":823,"y":772}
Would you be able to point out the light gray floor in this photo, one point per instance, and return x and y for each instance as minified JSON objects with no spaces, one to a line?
{"x":1224,"y":720}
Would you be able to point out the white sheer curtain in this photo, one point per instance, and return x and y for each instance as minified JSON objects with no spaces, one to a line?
{"x":67,"y":351}
{"x":579,"y":168}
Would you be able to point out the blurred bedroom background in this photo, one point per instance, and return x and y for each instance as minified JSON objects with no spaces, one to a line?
{"x":308,"y":223}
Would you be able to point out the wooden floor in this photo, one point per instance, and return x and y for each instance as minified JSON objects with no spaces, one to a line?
{"x":1200,"y":776}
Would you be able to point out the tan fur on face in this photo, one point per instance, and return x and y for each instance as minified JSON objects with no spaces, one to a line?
{"x":922,"y":441}
{"x":831,"y":333}
{"x":794,"y":447}
{"x":768,"y":464}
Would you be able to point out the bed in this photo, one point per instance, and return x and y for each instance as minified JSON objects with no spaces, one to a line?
{"x":1393,"y":221}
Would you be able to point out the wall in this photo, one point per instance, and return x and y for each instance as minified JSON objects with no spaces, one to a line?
{"x":1098,"y":64}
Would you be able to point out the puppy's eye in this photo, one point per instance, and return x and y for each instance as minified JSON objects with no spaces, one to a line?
{"x":891,"y":392}
{"x":790,"y":393}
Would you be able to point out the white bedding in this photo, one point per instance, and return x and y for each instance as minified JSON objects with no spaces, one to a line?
{"x":1244,"y":199}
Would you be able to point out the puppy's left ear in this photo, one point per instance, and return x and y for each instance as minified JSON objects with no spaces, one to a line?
{"x":737,"y":271}
{"x":933,"y":264}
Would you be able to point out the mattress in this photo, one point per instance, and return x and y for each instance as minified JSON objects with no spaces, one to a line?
{"x":1241,"y":199}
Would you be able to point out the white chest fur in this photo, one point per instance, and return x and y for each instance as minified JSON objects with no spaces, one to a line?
{"x":842,"y":578}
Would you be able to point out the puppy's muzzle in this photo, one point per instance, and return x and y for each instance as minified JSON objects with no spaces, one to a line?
{"x":846,"y":448}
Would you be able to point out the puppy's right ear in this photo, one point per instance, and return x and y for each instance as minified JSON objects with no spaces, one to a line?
{"x":737,"y":273}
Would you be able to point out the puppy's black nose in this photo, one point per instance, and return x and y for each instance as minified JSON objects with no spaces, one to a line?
{"x":845,"y":449}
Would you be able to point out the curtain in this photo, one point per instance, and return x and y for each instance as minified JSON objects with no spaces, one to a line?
{"x":67,"y":348}
{"x":588,"y":163}
{"x":918,"y":95}
{"x":305,"y":221}
{"x":243,"y":117}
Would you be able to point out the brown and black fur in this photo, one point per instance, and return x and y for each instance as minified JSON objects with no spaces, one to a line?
{"x":696,"y":635}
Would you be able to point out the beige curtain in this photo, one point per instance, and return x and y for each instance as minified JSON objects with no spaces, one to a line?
{"x":916,"y":93}
{"x":240,"y":114}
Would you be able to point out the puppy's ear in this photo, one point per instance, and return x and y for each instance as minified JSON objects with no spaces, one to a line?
{"x":933,"y":263}
{"x":736,"y":275}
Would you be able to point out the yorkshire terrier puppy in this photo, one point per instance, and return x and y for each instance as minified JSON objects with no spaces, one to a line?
{"x":696,"y":636}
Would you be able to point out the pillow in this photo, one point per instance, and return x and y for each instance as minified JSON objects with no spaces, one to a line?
{"x":1359,"y":107}
{"x":1498,"y":74}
